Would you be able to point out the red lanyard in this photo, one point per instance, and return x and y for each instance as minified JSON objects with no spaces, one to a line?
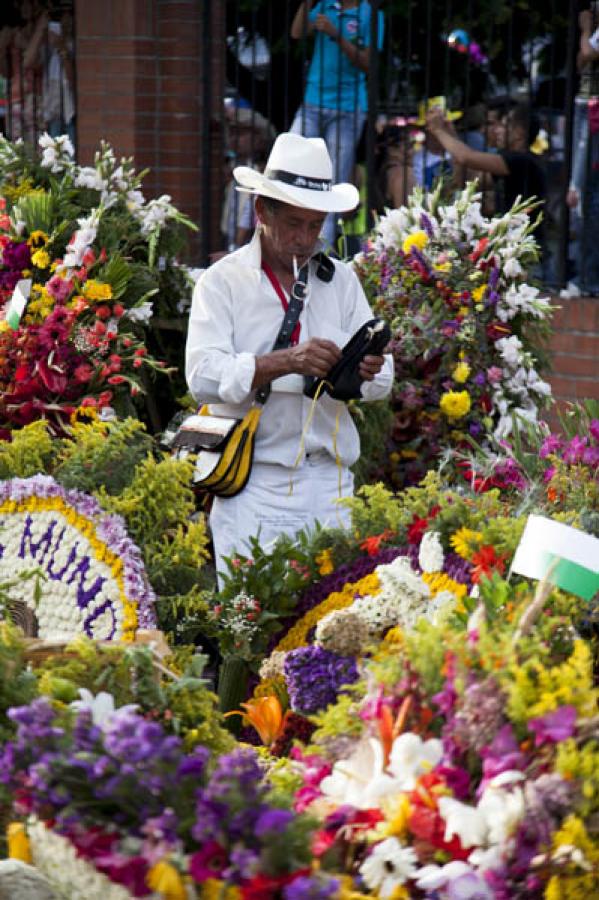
{"x":281,"y":295}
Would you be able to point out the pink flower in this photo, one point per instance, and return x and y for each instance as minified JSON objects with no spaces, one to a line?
{"x":59,"y":288}
{"x":495,"y":374}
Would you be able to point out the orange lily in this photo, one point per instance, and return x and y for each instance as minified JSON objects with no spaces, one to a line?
{"x":265,"y":714}
{"x":389,"y":729}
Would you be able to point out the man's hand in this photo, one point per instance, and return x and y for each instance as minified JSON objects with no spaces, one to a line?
{"x":314,"y":357}
{"x":435,"y":120}
{"x":371,"y":366}
{"x":324,"y":24}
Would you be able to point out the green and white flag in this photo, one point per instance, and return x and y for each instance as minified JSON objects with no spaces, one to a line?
{"x":18,"y":302}
{"x":567,"y":557}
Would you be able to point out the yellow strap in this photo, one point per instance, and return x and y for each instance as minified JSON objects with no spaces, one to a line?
{"x":300,"y":452}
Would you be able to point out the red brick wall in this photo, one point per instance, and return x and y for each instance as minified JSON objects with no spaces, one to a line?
{"x":140,"y":67}
{"x":575,"y":349}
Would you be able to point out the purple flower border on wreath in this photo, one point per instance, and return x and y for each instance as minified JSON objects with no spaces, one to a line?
{"x":110,"y":529}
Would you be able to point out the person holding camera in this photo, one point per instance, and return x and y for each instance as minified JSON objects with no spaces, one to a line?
{"x":583,"y":193}
{"x":335,"y":103}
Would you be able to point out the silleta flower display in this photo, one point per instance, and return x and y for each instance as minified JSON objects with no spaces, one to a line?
{"x":91,"y":576}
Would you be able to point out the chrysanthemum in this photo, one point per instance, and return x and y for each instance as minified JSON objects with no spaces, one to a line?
{"x":455,"y":404}
{"x":389,"y":866}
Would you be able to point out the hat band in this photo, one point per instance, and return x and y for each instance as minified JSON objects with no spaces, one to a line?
{"x":299,"y":181}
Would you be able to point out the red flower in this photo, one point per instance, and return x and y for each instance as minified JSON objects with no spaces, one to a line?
{"x":83,"y":373}
{"x":116,"y":379}
{"x":416,"y":530}
{"x":497,"y":330}
{"x":372,"y":544}
{"x":103,"y":312}
{"x":485,"y":562}
{"x":267,"y":887}
{"x":480,"y":248}
{"x":209,"y":862}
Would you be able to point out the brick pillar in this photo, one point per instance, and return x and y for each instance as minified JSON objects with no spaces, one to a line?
{"x":140,"y":67}
{"x":575,"y":349}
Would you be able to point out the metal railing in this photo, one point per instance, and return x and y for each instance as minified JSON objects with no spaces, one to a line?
{"x":479,"y":58}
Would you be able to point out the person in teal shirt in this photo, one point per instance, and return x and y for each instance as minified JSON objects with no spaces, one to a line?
{"x":335,"y":102}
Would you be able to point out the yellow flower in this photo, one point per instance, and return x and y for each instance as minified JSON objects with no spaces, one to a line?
{"x":38,"y":239}
{"x":461,"y":372}
{"x":213,"y":889}
{"x":97,"y":290}
{"x":397,"y":812}
{"x":455,"y":404}
{"x":419,"y":240}
{"x":462,"y":542}
{"x":394,"y":637}
{"x":4,"y":326}
{"x":439,"y":581}
{"x":463,"y":311}
{"x":164,"y":879}
{"x":40,"y":259}
{"x":324,"y":561}
{"x":18,"y":842}
{"x":479,"y":292}
{"x":442,"y":267}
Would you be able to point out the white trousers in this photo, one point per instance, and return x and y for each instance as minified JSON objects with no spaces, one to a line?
{"x":279,"y":500}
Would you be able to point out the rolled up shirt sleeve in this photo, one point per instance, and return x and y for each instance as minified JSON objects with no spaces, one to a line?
{"x":360,"y":312}
{"x":215,"y":372}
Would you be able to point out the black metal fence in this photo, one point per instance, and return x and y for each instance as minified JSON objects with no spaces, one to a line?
{"x":476,"y":58}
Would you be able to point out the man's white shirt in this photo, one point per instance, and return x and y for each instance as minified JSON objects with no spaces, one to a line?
{"x":235,"y":317}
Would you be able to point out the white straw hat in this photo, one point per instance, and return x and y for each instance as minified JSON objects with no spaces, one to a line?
{"x":299,"y":171}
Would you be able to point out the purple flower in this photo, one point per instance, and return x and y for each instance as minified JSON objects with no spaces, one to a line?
{"x":501,"y":755}
{"x":551,"y":445}
{"x":427,"y":225}
{"x":555,"y":726}
{"x":314,"y":677}
{"x":311,"y":887}
{"x":480,"y":379}
{"x":272,"y":820}
{"x":594,"y":429}
{"x":16,"y":256}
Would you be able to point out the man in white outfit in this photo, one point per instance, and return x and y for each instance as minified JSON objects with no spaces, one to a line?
{"x":303,"y":447}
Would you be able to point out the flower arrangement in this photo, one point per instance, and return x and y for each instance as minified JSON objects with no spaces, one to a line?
{"x":81,"y":255}
{"x":458,"y":766}
{"x":87,"y":586}
{"x":117,"y":466}
{"x":466,"y":325}
{"x":134,"y":805}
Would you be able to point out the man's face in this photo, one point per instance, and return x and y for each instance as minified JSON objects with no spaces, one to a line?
{"x":493,"y":128}
{"x":290,"y":231}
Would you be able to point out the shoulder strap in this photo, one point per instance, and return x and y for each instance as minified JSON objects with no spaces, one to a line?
{"x":290,"y":320}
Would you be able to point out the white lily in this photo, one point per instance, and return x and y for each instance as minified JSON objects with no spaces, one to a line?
{"x":101,"y":706}
{"x":411,"y":757}
{"x":360,"y":780}
{"x":466,"y":822}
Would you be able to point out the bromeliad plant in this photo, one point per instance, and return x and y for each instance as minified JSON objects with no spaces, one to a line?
{"x":467,"y":325}
{"x":90,"y":255}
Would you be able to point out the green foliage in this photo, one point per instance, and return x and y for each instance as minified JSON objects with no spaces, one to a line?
{"x":181,"y":699}
{"x":374,"y":422}
{"x":37,"y":210}
{"x":155,"y":502}
{"x":102,"y":455}
{"x":341,"y":719}
{"x":17,"y":683}
{"x":30,"y":451}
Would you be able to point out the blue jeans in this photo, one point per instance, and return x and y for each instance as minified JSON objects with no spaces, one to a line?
{"x":341,"y":132}
{"x":585,"y":178}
